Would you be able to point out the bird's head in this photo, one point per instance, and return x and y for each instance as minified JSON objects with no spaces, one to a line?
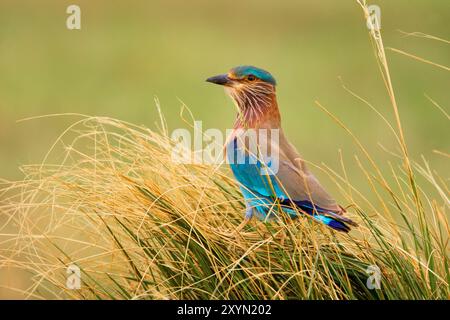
{"x":252,"y":88}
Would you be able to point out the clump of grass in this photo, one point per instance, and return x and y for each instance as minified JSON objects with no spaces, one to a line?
{"x":140,"y":226}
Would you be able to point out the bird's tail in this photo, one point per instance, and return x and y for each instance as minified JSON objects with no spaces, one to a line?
{"x":336,"y":224}
{"x":329,"y":218}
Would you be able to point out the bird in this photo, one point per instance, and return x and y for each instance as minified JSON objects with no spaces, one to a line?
{"x":291,"y":188}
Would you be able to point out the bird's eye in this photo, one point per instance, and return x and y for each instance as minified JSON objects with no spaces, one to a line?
{"x":251,"y":77}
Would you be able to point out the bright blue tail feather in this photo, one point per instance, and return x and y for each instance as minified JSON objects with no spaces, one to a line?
{"x":264,"y":206}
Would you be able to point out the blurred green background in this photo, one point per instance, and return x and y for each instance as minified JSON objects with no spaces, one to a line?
{"x":128,"y":52}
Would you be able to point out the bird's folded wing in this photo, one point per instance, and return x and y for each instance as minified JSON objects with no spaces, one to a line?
{"x":291,"y":180}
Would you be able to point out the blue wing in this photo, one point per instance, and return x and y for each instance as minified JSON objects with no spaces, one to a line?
{"x":266,"y":194}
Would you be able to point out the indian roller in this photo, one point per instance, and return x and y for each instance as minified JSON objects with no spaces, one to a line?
{"x":289,"y":188}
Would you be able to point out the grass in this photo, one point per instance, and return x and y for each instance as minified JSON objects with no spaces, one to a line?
{"x":140,"y":226}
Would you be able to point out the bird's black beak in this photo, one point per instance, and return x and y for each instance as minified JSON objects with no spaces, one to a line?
{"x":221,"y":79}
